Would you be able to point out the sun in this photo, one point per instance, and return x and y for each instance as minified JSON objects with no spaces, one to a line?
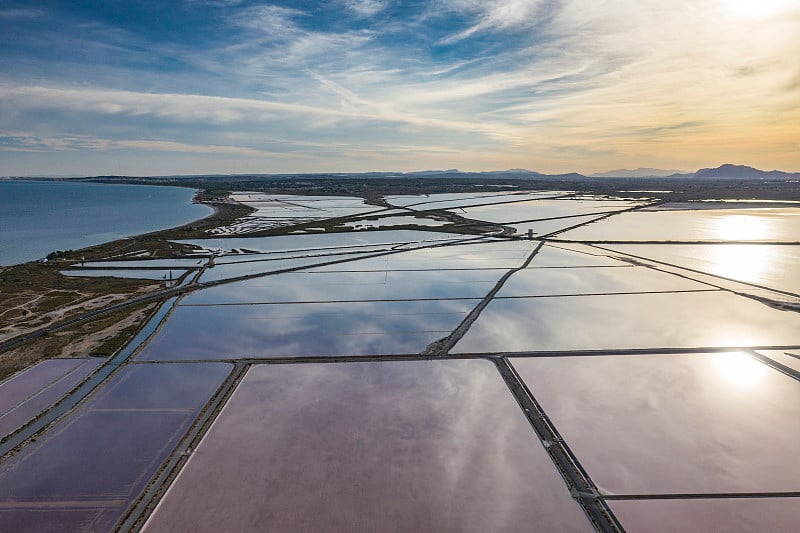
{"x":754,"y":9}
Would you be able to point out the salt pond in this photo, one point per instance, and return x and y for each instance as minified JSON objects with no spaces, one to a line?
{"x":660,"y":424}
{"x":750,"y":225}
{"x":306,"y":329}
{"x":419,"y":446}
{"x":97,"y":461}
{"x":354,"y":412}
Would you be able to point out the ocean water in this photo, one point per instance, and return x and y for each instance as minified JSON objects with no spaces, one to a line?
{"x":39,"y":217}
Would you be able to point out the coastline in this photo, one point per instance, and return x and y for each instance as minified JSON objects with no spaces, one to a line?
{"x":35,"y":296}
{"x":40,"y":217}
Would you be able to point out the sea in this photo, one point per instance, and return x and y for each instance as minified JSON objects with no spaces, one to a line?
{"x":39,"y":217}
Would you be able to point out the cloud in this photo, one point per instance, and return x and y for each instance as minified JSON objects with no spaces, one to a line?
{"x":490,"y":83}
{"x":272,"y":22}
{"x":21,"y":13}
{"x":365,"y":8}
{"x":214,"y":109}
{"x":494,"y":15}
{"x":29,"y":142}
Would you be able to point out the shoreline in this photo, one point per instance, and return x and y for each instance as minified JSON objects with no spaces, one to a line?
{"x":35,"y":296}
{"x":45,"y":217}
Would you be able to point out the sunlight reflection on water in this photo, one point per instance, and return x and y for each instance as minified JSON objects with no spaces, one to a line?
{"x":740,"y":370}
{"x":740,"y":227}
{"x":738,"y":261}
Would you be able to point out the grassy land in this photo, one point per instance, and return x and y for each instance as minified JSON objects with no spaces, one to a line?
{"x":102,"y":337}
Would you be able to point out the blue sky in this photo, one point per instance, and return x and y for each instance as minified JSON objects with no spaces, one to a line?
{"x":228,"y":86}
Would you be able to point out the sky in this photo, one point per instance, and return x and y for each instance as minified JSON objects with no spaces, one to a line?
{"x":238,"y":86}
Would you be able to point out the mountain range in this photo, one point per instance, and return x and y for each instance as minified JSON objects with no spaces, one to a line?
{"x":636,"y":173}
{"x":726,"y":171}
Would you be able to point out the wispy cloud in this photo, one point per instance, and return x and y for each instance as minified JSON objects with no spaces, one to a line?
{"x":21,"y":13}
{"x":29,"y":142}
{"x":495,"y":15}
{"x":546,"y":84}
{"x":366,"y":8}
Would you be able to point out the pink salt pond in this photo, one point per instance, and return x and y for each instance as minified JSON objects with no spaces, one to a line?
{"x":389,"y":446}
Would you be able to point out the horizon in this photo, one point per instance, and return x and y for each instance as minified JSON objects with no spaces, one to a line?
{"x":603,"y":174}
{"x":349,"y":86}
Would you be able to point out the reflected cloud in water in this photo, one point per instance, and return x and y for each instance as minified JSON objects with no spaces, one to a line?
{"x":689,"y":423}
{"x":324,"y":329}
{"x":674,"y":320}
{"x":412,"y":446}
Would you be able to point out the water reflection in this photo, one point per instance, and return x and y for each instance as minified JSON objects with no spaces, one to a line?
{"x":308,"y":329}
{"x":540,"y":209}
{"x":689,"y":516}
{"x":738,"y":261}
{"x":741,"y":370}
{"x":403,"y":446}
{"x":685,"y":320}
{"x":100,"y":457}
{"x":27,"y":394}
{"x":594,"y":280}
{"x":349,"y":286}
{"x":729,"y":227}
{"x":689,"y":423}
{"x":774,"y":266}
{"x":781,"y":224}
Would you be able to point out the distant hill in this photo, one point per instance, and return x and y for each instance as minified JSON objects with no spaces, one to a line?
{"x":636,"y":173}
{"x":741,"y":172}
{"x":514,"y":173}
{"x":434,"y":172}
{"x":726,"y":171}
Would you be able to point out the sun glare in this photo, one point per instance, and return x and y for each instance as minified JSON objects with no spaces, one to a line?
{"x":744,"y":262}
{"x":740,"y":370}
{"x":740,"y":227}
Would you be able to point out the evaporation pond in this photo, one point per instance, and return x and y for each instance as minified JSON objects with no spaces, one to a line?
{"x":386,"y":222}
{"x":780,"y":224}
{"x":774,"y":266}
{"x":449,"y":200}
{"x":309,"y":329}
{"x":788,"y":358}
{"x":119,"y":273}
{"x":412,"y":446}
{"x":573,"y":256}
{"x":593,"y":280}
{"x":546,"y":227}
{"x":732,"y":515}
{"x":673,"y":424}
{"x":488,"y":254}
{"x":149,"y":263}
{"x":351,"y":286}
{"x":540,"y":209}
{"x":283,"y":243}
{"x":99,"y":458}
{"x":664,"y":320}
{"x":28,"y":393}
{"x":254,"y":268}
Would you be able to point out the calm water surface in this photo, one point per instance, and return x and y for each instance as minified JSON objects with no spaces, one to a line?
{"x":38,"y":217}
